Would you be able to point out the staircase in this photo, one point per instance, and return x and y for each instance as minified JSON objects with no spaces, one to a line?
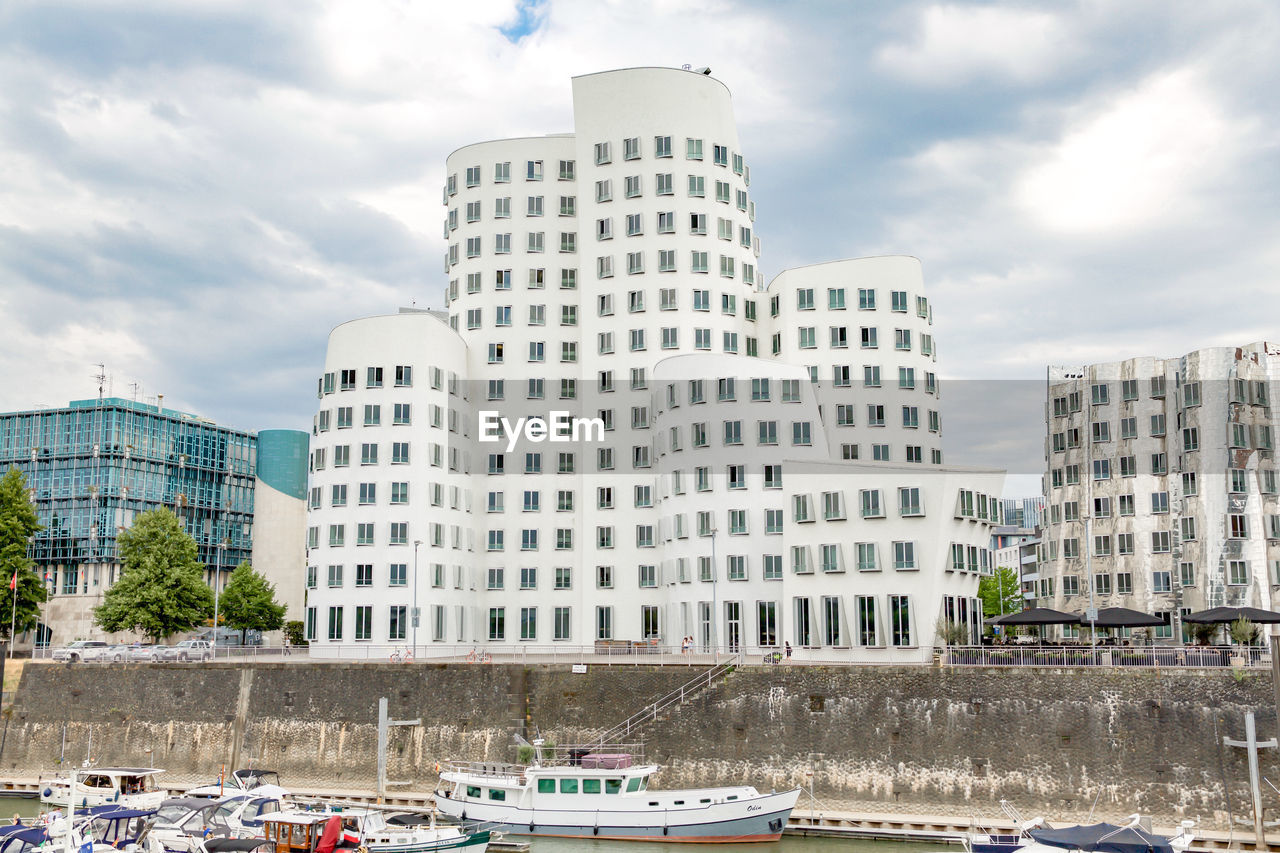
{"x":622,"y":731}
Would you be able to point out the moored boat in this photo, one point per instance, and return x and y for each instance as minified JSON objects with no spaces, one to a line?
{"x":576,"y":793}
{"x":126,"y":787}
{"x":1037,"y":836}
{"x":324,"y":829}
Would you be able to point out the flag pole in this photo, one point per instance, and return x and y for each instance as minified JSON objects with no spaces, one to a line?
{"x":13,"y":615}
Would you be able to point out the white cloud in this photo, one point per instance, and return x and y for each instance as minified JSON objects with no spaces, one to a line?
{"x":1138,"y":161}
{"x":954,"y":44}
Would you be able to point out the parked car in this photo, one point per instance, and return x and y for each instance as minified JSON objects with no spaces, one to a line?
{"x":81,"y":650}
{"x":116,"y":654}
{"x":150,"y":654}
{"x":192,"y":650}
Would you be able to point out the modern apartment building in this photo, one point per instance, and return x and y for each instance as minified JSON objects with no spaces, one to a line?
{"x":618,"y":432}
{"x":1024,"y":512}
{"x":1162,"y":484}
{"x":94,"y":465}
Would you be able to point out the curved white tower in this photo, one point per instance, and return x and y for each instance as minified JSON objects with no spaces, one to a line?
{"x":611,"y":276}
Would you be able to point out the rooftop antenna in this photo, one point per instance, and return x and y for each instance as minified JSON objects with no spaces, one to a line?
{"x":101,"y":376}
{"x":137,"y":389}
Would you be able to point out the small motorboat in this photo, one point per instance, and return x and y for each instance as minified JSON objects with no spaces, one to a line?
{"x":124,"y":787}
{"x":332,"y":827}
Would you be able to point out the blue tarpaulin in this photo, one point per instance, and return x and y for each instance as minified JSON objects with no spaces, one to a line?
{"x":1103,"y":838}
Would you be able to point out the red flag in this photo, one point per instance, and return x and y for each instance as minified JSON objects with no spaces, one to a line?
{"x":13,"y":582}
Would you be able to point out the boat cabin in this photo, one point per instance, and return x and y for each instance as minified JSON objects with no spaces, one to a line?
{"x":300,"y":832}
{"x":101,"y":785}
{"x":120,"y":827}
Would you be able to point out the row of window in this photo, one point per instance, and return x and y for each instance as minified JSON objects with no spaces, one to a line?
{"x":631,"y":150}
{"x":816,"y":623}
{"x":345,"y":379}
{"x":899,"y":301}
{"x":1244,"y":391}
{"x":1162,"y":541}
{"x":1258,"y":436}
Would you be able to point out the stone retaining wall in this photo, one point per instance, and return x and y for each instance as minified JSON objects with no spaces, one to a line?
{"x":876,"y":739}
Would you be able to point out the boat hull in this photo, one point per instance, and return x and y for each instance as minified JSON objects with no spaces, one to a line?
{"x":762,"y":819}
{"x":475,"y":842}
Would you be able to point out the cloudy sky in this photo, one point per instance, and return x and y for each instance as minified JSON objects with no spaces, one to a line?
{"x":195,"y":193}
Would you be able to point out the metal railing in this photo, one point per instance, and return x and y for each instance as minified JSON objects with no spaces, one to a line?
{"x":1155,"y":657}
{"x":676,"y":697}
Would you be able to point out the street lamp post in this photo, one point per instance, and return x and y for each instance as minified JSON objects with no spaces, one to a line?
{"x":217,"y":583}
{"x":715,"y":645}
{"x":413,"y":617}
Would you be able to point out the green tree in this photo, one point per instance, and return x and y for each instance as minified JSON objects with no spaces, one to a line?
{"x":161,"y":590}
{"x":249,"y":603}
{"x":1000,"y":592}
{"x":18,"y":522}
{"x":295,"y":632}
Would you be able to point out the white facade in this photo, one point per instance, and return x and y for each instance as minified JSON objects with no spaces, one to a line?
{"x":792,"y":430}
{"x":1163,"y":484}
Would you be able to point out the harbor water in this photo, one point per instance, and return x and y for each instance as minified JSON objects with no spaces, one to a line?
{"x":30,"y":807}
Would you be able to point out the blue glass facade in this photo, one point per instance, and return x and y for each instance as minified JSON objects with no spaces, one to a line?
{"x":96,"y":464}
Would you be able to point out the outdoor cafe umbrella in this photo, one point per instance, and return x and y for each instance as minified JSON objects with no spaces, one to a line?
{"x":1231,"y":614}
{"x":1036,"y":616}
{"x":1123,"y":617}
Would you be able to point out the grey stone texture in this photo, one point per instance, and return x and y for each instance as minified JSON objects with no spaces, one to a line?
{"x":911,"y":740}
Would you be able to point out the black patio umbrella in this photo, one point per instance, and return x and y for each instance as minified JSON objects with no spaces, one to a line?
{"x":1036,"y":616}
{"x":1231,"y":614}
{"x":1123,"y":617}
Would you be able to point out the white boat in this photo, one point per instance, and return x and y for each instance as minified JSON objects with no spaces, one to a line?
{"x":258,"y":783}
{"x":572,"y":793}
{"x":1036,"y":836}
{"x":307,"y":831}
{"x":182,"y":823}
{"x":126,"y":787}
{"x":102,"y":829}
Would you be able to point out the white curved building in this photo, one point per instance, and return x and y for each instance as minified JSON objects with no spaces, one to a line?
{"x":611,"y":275}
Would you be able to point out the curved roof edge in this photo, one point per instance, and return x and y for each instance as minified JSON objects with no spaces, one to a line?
{"x":839,"y":261}
{"x":567,"y":135}
{"x":654,"y":68}
{"x":415,"y":315}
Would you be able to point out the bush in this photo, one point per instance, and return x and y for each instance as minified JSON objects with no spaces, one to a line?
{"x":294,"y":633}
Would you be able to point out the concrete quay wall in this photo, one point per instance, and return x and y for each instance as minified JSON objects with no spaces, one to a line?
{"x":872,"y":739}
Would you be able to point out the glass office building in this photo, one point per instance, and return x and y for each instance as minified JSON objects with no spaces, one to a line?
{"x":95,"y":464}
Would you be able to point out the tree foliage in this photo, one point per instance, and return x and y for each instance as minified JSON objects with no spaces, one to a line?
{"x":1000,"y":592}
{"x":161,"y":590}
{"x":248,"y":603}
{"x":1243,"y":631}
{"x":18,"y":522}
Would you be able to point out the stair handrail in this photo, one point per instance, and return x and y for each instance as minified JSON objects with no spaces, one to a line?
{"x":676,"y":697}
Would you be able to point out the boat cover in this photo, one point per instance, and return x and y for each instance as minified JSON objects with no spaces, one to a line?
{"x":1103,"y":838}
{"x":331,"y":836}
{"x":607,"y":760}
{"x":233,"y":845}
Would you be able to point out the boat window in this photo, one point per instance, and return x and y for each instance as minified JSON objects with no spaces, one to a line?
{"x":568,"y":786}
{"x":497,"y":794}
{"x":678,"y":803}
{"x":97,"y":782}
{"x":473,"y":791}
{"x":732,"y":797}
{"x":546,"y":786}
{"x":705,"y":800}
{"x":613,"y":786}
{"x":590,"y":786}
{"x":644,"y":783}
{"x":633,"y":784}
{"x":653,"y":803}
